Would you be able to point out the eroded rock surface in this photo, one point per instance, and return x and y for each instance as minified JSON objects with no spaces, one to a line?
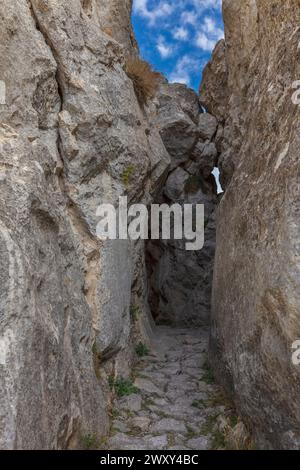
{"x":177,"y":406}
{"x":256,"y":295}
{"x":69,"y":132}
{"x":180,"y":281}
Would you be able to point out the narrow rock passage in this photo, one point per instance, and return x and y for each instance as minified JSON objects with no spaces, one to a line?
{"x":177,"y":406}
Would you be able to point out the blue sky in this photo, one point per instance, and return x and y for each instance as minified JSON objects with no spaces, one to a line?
{"x":177,"y":36}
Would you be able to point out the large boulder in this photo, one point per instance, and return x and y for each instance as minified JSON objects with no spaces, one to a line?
{"x":207,"y":126}
{"x":176,"y":117}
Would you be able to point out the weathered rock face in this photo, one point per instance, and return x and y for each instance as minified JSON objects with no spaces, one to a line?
{"x":114,"y":18}
{"x":180,"y":281}
{"x":256,"y":295}
{"x":70,"y":130}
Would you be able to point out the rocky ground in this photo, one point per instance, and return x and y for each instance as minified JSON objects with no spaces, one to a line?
{"x":176,"y":404}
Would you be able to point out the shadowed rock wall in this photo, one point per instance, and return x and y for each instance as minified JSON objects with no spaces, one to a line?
{"x":256,"y":295}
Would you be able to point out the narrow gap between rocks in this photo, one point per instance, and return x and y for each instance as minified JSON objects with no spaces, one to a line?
{"x":173,"y":401}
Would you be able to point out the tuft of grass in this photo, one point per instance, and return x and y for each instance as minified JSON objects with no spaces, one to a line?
{"x":218,"y":440}
{"x":191,"y":433}
{"x":113,"y":413}
{"x":122,"y":387}
{"x":127,"y":175}
{"x":142,"y":350}
{"x":90,"y":441}
{"x":134,"y":312}
{"x":199,"y":404}
{"x":145,"y":80}
{"x":209,"y":426}
{"x":208,"y":376}
{"x":233,"y":420}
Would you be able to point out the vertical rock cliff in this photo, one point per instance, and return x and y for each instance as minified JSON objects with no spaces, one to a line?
{"x":73,"y":135}
{"x":256,"y":295}
{"x":69,"y":131}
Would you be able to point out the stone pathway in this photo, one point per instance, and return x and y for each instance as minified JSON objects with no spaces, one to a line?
{"x":177,"y":406}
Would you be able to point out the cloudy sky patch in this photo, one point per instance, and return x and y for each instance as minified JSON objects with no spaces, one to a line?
{"x":178,"y":36}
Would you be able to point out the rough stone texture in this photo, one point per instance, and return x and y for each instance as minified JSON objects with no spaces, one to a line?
{"x":207,"y":126}
{"x":256,"y":296}
{"x":114,"y":18}
{"x":69,"y":130}
{"x":176,"y":114}
{"x":180,"y":281}
{"x":192,"y":410}
{"x":213,"y":89}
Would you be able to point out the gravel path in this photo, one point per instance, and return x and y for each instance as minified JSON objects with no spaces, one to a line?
{"x":177,"y":406}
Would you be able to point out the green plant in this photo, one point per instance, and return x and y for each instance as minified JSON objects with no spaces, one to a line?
{"x":142,"y":350}
{"x":127,"y":175}
{"x":114,"y":413}
{"x":234,"y":420}
{"x":122,"y":387}
{"x":134,"y":312}
{"x":208,"y":376}
{"x":191,"y":433}
{"x":145,"y":80}
{"x":90,"y":441}
{"x":218,"y":440}
{"x":209,"y":425}
{"x":199,"y":404}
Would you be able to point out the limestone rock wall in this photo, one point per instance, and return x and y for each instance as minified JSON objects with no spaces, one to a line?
{"x":70,"y":129}
{"x":256,"y":295}
{"x":180,"y":281}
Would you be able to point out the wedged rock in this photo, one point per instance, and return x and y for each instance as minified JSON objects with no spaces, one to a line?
{"x":207,"y":126}
{"x":185,"y":97}
{"x":178,"y":132}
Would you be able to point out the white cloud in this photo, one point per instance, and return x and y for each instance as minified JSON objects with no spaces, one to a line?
{"x":210,"y":27}
{"x":180,"y":28}
{"x":181,"y":34}
{"x":206,"y":4}
{"x":189,"y":17}
{"x":163,"y":48}
{"x":163,"y":8}
{"x":204,"y":42}
{"x":209,"y":34}
{"x":184,"y":67}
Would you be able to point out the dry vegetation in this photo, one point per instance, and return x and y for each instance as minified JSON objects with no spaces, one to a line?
{"x":145,"y":80}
